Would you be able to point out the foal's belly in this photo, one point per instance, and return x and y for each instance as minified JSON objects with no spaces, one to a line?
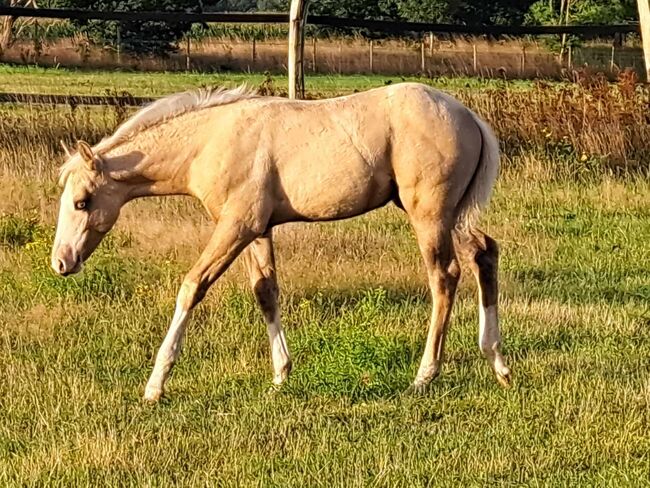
{"x":332,"y":192}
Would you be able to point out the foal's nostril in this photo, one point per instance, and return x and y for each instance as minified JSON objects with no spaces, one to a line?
{"x":60,"y":266}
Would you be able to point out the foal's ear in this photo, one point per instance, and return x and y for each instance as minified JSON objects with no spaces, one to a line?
{"x":86,"y":153}
{"x":65,"y":147}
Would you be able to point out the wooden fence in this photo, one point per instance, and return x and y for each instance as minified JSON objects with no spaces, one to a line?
{"x":385,"y":26}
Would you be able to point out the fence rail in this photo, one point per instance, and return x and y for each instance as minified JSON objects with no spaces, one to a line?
{"x":74,"y":100}
{"x":390,"y":27}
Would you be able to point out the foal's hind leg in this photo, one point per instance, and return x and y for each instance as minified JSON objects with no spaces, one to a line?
{"x":261,"y":268}
{"x":443,"y":271}
{"x":481,"y":253}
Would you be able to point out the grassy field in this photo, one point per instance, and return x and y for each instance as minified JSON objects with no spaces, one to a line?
{"x":28,"y":79}
{"x":76,"y":353}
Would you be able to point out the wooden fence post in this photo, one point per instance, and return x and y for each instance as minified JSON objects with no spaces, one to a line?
{"x":371,"y":56}
{"x":119,"y":43}
{"x":37,"y":42}
{"x":422,"y":60}
{"x":611,"y":59}
{"x":474,"y":59}
{"x":297,"y":17}
{"x":313,"y":54}
{"x":254,"y":52}
{"x":644,"y":20}
{"x":188,"y":53}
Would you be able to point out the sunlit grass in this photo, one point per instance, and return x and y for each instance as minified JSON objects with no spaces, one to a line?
{"x":75,"y":353}
{"x":96,"y":82}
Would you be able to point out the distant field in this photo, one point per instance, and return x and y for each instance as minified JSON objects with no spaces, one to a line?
{"x":82,"y":82}
{"x":575,"y":282}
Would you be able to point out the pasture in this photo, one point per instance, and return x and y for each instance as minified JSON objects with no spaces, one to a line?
{"x":571,"y":212}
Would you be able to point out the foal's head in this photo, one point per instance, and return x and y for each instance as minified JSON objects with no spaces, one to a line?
{"x":90,"y":205}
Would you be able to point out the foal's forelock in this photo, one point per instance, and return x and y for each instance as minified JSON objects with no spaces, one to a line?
{"x":75,"y":165}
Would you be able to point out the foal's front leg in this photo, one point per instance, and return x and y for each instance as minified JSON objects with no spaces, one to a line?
{"x":228,"y":240}
{"x":261,"y":268}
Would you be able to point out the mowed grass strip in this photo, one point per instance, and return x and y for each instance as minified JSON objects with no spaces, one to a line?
{"x":29,"y":79}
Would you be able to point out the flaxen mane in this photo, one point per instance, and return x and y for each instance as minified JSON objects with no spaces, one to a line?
{"x":161,"y":111}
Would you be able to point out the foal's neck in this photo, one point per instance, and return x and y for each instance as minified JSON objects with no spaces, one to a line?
{"x":153,"y":163}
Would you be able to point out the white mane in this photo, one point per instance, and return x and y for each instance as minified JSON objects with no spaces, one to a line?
{"x":174,"y":105}
{"x":162,"y":110}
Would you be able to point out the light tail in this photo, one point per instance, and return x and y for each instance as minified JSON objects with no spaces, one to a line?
{"x":478,"y":192}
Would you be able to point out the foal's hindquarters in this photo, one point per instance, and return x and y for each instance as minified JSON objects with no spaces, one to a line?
{"x":440,"y":188}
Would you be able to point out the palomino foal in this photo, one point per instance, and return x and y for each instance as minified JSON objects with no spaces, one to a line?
{"x":258,"y":162}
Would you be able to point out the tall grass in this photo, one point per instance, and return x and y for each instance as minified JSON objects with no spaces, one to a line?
{"x":566,"y":129}
{"x":590,"y":125}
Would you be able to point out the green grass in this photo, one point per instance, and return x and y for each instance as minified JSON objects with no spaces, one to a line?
{"x":76,"y":354}
{"x":82,"y":82}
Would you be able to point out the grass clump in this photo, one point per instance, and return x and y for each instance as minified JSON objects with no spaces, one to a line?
{"x":349,"y":361}
{"x":17,"y":232}
{"x":579,"y":129}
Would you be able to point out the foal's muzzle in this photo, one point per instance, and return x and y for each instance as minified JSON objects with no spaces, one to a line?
{"x":65,"y":261}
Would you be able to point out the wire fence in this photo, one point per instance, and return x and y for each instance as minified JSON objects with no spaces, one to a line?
{"x":125,"y":100}
{"x":428,"y":56}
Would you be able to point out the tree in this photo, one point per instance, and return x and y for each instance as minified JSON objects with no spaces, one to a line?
{"x":137,"y":37}
{"x":557,"y":12}
{"x":510,"y":12}
{"x":436,"y":11}
{"x":356,"y":9}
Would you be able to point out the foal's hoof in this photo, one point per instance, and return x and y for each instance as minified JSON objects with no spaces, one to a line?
{"x":416,"y":389}
{"x":152,"y":395}
{"x":504,"y":377}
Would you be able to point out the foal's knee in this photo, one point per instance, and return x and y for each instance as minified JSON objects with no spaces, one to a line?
{"x":192,"y":291}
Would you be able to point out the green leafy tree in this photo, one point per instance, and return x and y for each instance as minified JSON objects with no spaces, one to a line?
{"x":602,"y":12}
{"x":498,"y":12}
{"x":232,"y":6}
{"x":436,"y":11}
{"x":137,"y":37}
{"x":356,"y":9}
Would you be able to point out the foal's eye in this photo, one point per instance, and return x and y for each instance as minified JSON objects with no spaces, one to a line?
{"x":81,"y":204}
